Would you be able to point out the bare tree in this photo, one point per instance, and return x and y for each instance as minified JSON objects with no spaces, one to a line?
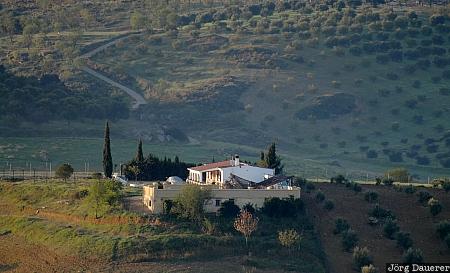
{"x":246,"y":224}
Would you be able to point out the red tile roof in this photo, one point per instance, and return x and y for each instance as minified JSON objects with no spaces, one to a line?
{"x":221,"y":164}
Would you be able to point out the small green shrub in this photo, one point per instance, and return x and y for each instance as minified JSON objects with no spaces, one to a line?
{"x":447,"y":240}
{"x":320,"y":196}
{"x":378,"y":181}
{"x":339,"y":179}
{"x":361,"y":257}
{"x":288,"y":207}
{"x":249,"y":207}
{"x":371,"y":196}
{"x":356,"y":187}
{"x":390,"y":228}
{"x":424,"y":196}
{"x":208,"y":226}
{"x":435,"y":206}
{"x":368,"y":269}
{"x":371,"y":154}
{"x":349,"y":239}
{"x":289,"y":238}
{"x":228,"y":209}
{"x":329,"y":205}
{"x":413,"y":255}
{"x":446,"y":186}
{"x":310,"y":186}
{"x":299,"y":181}
{"x":340,"y":225}
{"x":381,"y":213}
{"x":404,"y":240}
{"x":443,"y":228}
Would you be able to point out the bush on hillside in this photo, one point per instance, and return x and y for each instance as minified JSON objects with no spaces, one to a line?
{"x":228,"y":209}
{"x":349,"y":239}
{"x":390,"y":228}
{"x":423,"y":160}
{"x":395,"y":156}
{"x":446,"y":186}
{"x":339,"y":179}
{"x":424,"y":196}
{"x":310,"y":186}
{"x":340,"y":225}
{"x":320,"y":197}
{"x":404,"y":240}
{"x":435,"y":206}
{"x":189,"y":204}
{"x":381,"y":213}
{"x":413,"y":255}
{"x":437,"y":19}
{"x":371,"y":196}
{"x":356,"y":187}
{"x":447,"y":241}
{"x":276,"y":207}
{"x":443,"y":228}
{"x":249,"y":208}
{"x":371,"y":154}
{"x":361,"y":257}
{"x":329,"y":205}
{"x":368,"y":269}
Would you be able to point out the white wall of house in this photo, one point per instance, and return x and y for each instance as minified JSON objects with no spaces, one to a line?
{"x":251,"y":173}
{"x":154,"y":198}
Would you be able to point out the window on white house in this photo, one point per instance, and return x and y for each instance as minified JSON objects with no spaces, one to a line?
{"x":217,"y":203}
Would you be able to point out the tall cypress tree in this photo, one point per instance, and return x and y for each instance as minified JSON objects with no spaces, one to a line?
{"x":140,"y":154}
{"x":107,"y":158}
{"x":272,"y":160}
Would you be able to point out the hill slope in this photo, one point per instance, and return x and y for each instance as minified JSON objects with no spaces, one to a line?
{"x":337,"y":85}
{"x":341,"y":86}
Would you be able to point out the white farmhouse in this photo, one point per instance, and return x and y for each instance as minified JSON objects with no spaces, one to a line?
{"x":219,"y":173}
{"x":229,"y":180}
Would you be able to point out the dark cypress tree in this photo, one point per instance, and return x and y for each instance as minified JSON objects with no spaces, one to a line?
{"x":261,"y":157}
{"x":140,"y":154}
{"x":272,"y":160}
{"x":107,"y":158}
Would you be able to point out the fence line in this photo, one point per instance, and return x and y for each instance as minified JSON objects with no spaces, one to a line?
{"x":35,"y":174}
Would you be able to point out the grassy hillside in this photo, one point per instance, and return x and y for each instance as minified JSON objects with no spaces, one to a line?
{"x":28,"y":99}
{"x":342,"y":87}
{"x":57,"y":218}
{"x":364,"y":84}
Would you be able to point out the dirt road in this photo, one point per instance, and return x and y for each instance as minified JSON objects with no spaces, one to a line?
{"x":138,"y":98}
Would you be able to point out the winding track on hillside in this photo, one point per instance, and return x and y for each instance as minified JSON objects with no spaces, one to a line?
{"x":138,"y":98}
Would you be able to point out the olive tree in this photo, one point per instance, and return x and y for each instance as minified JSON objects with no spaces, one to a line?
{"x":64,"y":171}
{"x":190,"y":202}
